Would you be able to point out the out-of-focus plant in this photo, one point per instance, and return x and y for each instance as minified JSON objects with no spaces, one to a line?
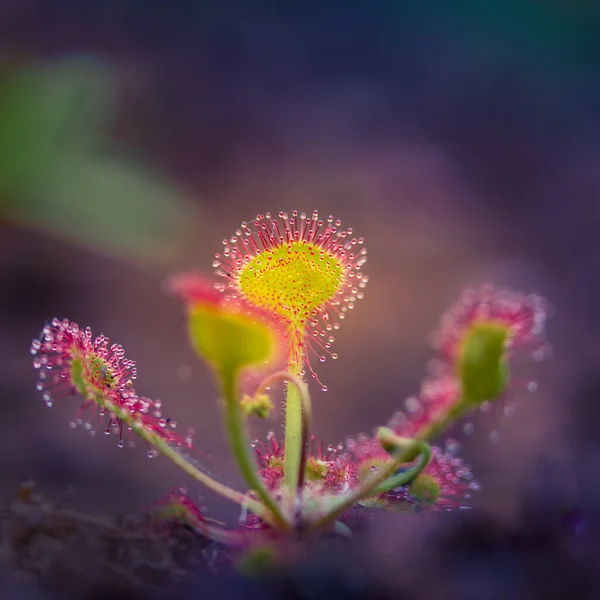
{"x":60,"y":172}
{"x":284,"y":285}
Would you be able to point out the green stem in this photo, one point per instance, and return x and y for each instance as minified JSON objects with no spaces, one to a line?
{"x":306,"y":415}
{"x":240,"y":447}
{"x":172,"y":454}
{"x":379,"y":481}
{"x":434,"y":430}
{"x":407,"y":476}
{"x":292,"y":471}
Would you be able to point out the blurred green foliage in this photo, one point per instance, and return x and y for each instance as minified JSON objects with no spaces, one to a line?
{"x":60,"y":173}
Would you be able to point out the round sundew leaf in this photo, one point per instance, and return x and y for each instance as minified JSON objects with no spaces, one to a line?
{"x":482,"y":364}
{"x":302,"y":270}
{"x":229,"y":341}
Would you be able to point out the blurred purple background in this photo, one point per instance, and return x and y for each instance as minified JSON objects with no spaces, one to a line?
{"x":463,"y":146}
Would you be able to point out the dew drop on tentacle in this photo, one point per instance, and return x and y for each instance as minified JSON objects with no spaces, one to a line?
{"x":189,"y":437}
{"x":452,"y":446}
{"x":510,"y":408}
{"x":412,"y":404}
{"x":495,"y":437}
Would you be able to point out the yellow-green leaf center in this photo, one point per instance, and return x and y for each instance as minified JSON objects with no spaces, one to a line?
{"x":92,"y":372}
{"x":292,"y":280}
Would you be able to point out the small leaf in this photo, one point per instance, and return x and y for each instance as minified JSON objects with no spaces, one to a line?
{"x":259,"y":405}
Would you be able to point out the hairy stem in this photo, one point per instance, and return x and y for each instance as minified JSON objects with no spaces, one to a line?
{"x":173,"y":454}
{"x":292,"y":472}
{"x":240,"y":447}
{"x":302,"y":390}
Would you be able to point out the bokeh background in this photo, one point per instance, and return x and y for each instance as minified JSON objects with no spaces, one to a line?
{"x":462,"y":140}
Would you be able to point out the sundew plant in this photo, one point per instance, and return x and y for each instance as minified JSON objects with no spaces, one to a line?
{"x":281,"y":288}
